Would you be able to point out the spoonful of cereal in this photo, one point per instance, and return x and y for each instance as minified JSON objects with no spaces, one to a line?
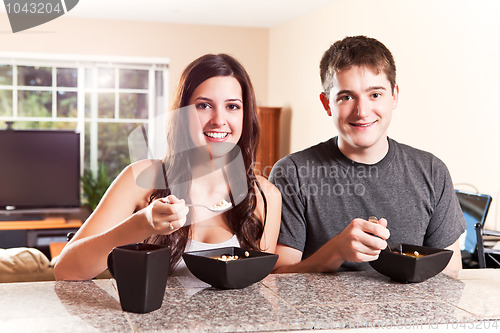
{"x":218,"y":207}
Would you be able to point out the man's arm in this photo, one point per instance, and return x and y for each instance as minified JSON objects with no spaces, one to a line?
{"x":290,"y":261}
{"x":360,"y":241}
{"x":447,"y":222}
{"x":455,"y":264}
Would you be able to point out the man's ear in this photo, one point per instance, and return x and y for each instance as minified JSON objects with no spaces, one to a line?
{"x":326,"y":103}
{"x":395,"y":96}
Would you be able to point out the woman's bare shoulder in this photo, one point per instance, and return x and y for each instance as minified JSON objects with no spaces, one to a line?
{"x":135,"y":183}
{"x":267,"y":187}
{"x":271,"y":217}
{"x":146,"y":174}
{"x":272,"y":195}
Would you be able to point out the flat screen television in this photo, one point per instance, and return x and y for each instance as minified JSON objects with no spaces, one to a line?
{"x":39,"y":172}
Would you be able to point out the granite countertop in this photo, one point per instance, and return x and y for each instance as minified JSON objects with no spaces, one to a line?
{"x":280,"y":302}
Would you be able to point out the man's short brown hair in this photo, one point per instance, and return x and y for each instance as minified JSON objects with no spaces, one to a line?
{"x":356,"y":51}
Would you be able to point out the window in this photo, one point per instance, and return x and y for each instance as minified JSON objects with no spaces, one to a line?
{"x":102,"y":98}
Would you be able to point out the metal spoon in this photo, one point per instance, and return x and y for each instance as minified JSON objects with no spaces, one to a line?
{"x":375,"y":220}
{"x":214,"y":208}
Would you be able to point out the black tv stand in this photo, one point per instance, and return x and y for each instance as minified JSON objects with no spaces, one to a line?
{"x":38,"y":234}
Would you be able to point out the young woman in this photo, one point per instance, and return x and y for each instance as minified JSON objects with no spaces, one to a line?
{"x":214,"y":126}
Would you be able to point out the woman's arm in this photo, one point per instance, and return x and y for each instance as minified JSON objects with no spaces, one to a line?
{"x":273,"y":220}
{"x":114,"y":223}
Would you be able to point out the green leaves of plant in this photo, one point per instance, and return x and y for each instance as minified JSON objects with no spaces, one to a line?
{"x":94,"y":186}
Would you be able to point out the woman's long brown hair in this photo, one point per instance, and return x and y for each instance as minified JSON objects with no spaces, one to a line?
{"x":242,"y":219}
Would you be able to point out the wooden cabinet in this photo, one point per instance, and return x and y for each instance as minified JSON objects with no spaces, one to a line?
{"x":269,"y":144}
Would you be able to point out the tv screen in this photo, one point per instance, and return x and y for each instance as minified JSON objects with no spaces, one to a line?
{"x":39,"y":170}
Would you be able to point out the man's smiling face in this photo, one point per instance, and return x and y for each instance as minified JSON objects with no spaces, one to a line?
{"x":361,"y":102}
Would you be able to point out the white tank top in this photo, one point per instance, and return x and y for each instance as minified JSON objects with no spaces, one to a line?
{"x":182,"y":271}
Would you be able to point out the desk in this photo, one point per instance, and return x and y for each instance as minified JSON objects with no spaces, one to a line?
{"x":281,"y":302}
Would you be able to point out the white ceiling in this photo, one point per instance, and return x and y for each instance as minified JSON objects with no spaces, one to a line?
{"x":247,"y":13}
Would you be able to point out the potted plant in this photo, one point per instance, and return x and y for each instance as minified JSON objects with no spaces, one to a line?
{"x":94,"y":186}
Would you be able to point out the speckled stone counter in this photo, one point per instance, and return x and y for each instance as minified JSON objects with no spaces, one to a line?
{"x":285,"y":302}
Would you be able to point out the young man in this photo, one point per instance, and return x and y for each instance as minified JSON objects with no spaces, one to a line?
{"x":330,"y":190}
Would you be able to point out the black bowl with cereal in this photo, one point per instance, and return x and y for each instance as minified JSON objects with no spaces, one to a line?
{"x":411,"y":263}
{"x":230,"y":267}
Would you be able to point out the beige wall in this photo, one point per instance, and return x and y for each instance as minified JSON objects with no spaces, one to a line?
{"x":448,"y":55}
{"x":180,"y":43}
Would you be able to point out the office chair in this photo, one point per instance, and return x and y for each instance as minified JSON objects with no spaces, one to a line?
{"x":475,"y":208}
{"x":484,"y":253}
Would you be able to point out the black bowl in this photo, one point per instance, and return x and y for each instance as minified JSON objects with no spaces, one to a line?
{"x":403,"y":268}
{"x":234,"y":274}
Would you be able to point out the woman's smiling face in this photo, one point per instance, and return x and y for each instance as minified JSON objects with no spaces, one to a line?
{"x":219,"y":105}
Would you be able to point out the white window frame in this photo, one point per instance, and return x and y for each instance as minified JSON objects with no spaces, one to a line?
{"x":81,"y":62}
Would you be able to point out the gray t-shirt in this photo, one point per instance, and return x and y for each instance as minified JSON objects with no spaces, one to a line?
{"x":323,"y":191}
